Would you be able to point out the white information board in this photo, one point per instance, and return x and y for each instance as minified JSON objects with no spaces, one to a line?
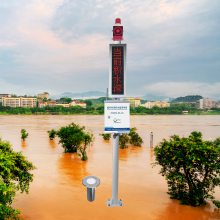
{"x":117,"y":117}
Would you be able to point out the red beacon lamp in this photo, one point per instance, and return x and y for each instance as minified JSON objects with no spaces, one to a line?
{"x":117,"y":30}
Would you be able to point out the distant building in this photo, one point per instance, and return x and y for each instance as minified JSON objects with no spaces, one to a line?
{"x":159,"y":104}
{"x":134,"y":102}
{"x":51,"y":103}
{"x":185,"y":112}
{"x":4,"y":95}
{"x":42,"y":104}
{"x":73,"y":103}
{"x":218,"y":105}
{"x":28,"y":102}
{"x":206,"y":103}
{"x":44,"y":95}
{"x":24,"y":102}
{"x":65,"y":105}
{"x":11,"y":102}
{"x":78,"y":103}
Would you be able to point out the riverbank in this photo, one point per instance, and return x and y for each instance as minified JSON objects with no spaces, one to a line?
{"x":95,"y":113}
{"x":99,"y":110}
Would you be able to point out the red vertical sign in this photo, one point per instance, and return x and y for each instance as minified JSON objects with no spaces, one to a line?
{"x":117,"y":70}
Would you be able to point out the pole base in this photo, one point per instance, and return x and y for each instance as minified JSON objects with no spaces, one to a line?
{"x":113,"y":202}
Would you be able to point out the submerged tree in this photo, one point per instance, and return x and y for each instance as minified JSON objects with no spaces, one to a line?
{"x":14,"y":176}
{"x":87,"y":138}
{"x":52,"y":134}
{"x":74,"y":138}
{"x":124,"y":139}
{"x":191,"y":166}
{"x":135,"y":138}
{"x":106,"y":137}
{"x":24,"y":134}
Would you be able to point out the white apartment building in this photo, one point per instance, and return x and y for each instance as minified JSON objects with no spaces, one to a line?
{"x":207,"y":103}
{"x":28,"y":102}
{"x":11,"y":101}
{"x":24,"y":102}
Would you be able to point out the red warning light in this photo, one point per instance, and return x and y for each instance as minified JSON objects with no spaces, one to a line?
{"x":118,"y":21}
{"x":118,"y":30}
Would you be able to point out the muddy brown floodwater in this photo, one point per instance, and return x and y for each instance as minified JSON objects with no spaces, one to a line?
{"x":57,"y":191}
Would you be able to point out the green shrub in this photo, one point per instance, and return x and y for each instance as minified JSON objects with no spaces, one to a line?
{"x":106,"y":137}
{"x":191,"y":166}
{"x":216,"y":203}
{"x":124,"y":139}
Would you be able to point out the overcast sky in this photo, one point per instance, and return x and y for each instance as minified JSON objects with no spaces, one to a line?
{"x":62,"y":46}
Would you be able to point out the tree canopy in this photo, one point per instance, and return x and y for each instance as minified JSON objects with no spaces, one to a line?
{"x":14,"y":176}
{"x":74,"y":138}
{"x":191,"y":166}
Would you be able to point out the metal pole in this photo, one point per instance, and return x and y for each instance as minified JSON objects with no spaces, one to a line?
{"x":114,"y":200}
{"x":107,"y":94}
{"x":115,"y":167}
{"x":151,"y":139}
{"x":90,"y":194}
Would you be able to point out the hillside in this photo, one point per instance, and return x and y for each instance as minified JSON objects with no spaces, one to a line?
{"x":189,"y":98}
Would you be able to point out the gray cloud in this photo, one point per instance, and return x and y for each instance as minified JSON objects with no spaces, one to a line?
{"x":184,"y":88}
{"x":62,"y":45}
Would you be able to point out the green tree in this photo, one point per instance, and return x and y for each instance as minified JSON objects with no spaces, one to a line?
{"x":14,"y":176}
{"x":74,"y":138}
{"x":191,"y":166}
{"x":88,"y":103}
{"x":24,"y":134}
{"x":100,"y":109}
{"x":135,"y":138}
{"x":87,"y":138}
{"x":65,"y":99}
{"x":52,"y":134}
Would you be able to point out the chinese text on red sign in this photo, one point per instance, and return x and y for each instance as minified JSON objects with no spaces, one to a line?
{"x":117,"y":70}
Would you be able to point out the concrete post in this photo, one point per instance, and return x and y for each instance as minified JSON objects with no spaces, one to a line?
{"x":151,"y":139}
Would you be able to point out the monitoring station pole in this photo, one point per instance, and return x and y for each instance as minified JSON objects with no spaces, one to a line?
{"x":117,"y":111}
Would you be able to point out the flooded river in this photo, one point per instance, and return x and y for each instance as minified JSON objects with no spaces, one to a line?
{"x":57,"y":192}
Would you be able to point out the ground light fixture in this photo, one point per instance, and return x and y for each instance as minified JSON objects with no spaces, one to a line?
{"x":91,"y":182}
